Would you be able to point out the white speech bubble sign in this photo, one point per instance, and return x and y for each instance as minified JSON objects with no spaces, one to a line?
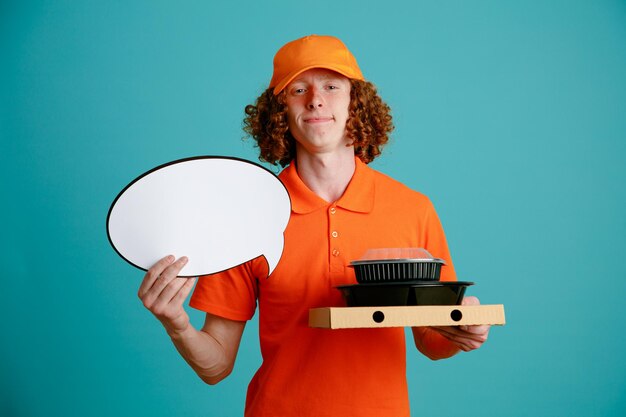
{"x":218,"y":211}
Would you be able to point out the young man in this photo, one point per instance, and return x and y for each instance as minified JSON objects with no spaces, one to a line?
{"x":324,"y":122}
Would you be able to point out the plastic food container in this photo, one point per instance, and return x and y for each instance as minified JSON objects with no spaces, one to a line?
{"x":405,"y":294}
{"x":397,"y":265}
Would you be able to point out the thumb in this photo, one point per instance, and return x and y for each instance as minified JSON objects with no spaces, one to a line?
{"x":470,"y":301}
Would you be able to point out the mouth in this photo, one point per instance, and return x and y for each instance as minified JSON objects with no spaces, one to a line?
{"x":314,"y":120}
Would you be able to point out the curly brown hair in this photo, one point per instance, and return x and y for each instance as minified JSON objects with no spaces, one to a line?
{"x":368,"y":126}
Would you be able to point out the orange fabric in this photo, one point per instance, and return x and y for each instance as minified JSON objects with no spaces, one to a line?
{"x":312,"y":51}
{"x":319,"y":372}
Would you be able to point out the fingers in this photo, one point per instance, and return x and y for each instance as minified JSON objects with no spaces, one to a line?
{"x":461,"y":343}
{"x":159,"y":301}
{"x":154,"y":273}
{"x":172,"y":291}
{"x":184,"y":291}
{"x":163,"y":293}
{"x":465,"y":337}
{"x":160,"y":284}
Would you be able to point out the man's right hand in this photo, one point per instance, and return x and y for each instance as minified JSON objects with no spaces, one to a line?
{"x":212,"y":351}
{"x":163,"y":293}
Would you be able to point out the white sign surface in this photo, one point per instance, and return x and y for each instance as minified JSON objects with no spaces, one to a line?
{"x":219,"y":212}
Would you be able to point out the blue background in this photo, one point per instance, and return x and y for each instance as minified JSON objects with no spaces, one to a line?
{"x":509,"y":115}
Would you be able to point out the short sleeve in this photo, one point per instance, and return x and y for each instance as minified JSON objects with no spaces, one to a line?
{"x":231,"y":294}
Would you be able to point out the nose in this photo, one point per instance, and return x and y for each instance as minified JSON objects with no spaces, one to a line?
{"x":315,"y":100}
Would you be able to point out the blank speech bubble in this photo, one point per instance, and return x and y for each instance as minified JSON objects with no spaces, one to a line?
{"x":219,"y":212}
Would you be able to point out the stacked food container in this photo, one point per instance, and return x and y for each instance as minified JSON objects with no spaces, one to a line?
{"x":401,"y":277}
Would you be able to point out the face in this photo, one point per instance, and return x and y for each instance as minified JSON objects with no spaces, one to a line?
{"x":317,"y":110}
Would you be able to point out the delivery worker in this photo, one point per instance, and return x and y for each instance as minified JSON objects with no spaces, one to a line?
{"x":324,"y":123}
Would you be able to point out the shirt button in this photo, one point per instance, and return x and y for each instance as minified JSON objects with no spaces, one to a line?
{"x":335,"y":252}
{"x":333,"y":210}
{"x":334,"y":234}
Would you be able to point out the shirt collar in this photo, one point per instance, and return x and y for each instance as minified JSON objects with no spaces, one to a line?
{"x":358,"y":197}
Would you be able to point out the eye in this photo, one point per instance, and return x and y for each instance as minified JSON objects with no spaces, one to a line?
{"x":296,"y":91}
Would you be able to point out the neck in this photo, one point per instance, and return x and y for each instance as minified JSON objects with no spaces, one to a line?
{"x":327,"y":175}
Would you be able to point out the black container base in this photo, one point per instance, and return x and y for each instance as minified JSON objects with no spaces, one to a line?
{"x":415,"y":293}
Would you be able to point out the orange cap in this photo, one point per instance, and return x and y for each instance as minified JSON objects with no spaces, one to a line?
{"x":312,"y":51}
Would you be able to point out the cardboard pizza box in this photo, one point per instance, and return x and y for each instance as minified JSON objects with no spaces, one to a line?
{"x":413,"y":316}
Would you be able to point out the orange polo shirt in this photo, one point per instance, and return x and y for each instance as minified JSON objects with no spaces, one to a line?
{"x":319,"y":372}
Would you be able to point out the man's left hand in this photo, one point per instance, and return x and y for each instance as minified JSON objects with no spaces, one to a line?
{"x":465,"y":337}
